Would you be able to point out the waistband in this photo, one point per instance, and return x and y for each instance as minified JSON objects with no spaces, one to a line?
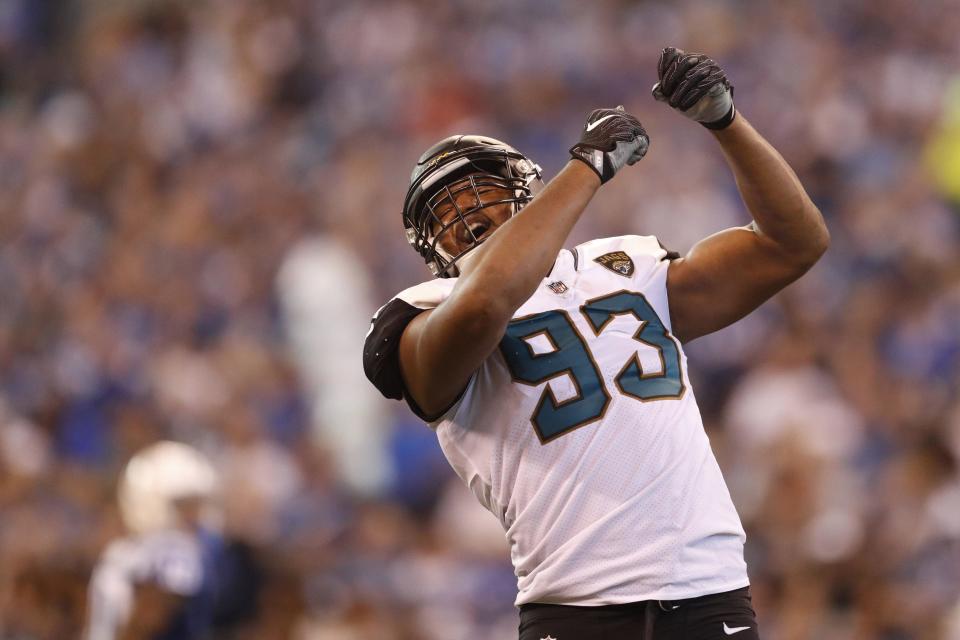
{"x":663,"y":605}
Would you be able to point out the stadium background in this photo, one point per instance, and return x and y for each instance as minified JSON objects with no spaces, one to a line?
{"x":199,"y":210}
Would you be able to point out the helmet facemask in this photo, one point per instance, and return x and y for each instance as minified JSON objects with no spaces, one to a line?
{"x":486,"y":191}
{"x":492,"y":177}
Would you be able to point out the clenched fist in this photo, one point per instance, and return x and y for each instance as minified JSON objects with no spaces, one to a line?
{"x":696,"y":86}
{"x":611,"y":138}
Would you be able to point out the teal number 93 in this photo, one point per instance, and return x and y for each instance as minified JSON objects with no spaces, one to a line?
{"x":570,"y":356}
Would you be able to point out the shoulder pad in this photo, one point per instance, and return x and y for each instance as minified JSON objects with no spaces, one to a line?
{"x":621,"y":254}
{"x":427,"y":295}
{"x":381,"y":360}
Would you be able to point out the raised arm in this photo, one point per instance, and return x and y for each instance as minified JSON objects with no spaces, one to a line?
{"x":729,"y":274}
{"x":440,"y":349}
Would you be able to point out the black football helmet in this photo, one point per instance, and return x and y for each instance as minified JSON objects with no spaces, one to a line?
{"x":454,"y":165}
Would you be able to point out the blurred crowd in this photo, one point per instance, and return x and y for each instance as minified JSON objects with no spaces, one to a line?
{"x":200,"y":210}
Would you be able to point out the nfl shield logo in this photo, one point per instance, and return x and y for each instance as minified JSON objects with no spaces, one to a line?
{"x":557,"y":287}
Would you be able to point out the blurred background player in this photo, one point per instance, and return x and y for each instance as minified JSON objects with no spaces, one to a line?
{"x":160,"y":581}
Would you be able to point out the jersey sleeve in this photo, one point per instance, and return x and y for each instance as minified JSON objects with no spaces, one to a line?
{"x":381,"y":350}
{"x":638,"y":248}
{"x":381,"y":360}
{"x":633,"y":258}
{"x":668,"y":254}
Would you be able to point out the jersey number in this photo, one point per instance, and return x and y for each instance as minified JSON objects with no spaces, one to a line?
{"x":570,"y":356}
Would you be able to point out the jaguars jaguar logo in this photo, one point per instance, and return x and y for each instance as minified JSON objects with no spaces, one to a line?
{"x":618,"y":262}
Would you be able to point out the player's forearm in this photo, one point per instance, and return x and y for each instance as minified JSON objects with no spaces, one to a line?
{"x":780,"y":206}
{"x":508,"y":267}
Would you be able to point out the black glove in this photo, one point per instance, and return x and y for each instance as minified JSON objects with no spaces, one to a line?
{"x":696,"y":86}
{"x":611,"y":139}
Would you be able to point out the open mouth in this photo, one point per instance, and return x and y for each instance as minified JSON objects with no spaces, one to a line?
{"x":479,"y":228}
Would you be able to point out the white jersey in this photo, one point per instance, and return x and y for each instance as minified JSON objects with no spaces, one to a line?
{"x":171,"y":560}
{"x":581,"y":434}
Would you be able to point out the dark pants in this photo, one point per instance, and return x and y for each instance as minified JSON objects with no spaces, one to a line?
{"x":719,"y":615}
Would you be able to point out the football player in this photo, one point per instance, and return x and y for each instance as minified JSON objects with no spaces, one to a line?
{"x":157,"y":582}
{"x":556,"y":379}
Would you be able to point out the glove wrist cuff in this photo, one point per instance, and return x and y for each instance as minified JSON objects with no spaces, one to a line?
{"x":593,"y":158}
{"x":723,"y":122}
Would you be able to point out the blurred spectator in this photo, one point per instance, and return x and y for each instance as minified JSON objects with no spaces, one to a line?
{"x":326,"y":296}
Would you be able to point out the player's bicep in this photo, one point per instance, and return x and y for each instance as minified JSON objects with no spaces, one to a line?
{"x":723,"y":278}
{"x":440,"y":350}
